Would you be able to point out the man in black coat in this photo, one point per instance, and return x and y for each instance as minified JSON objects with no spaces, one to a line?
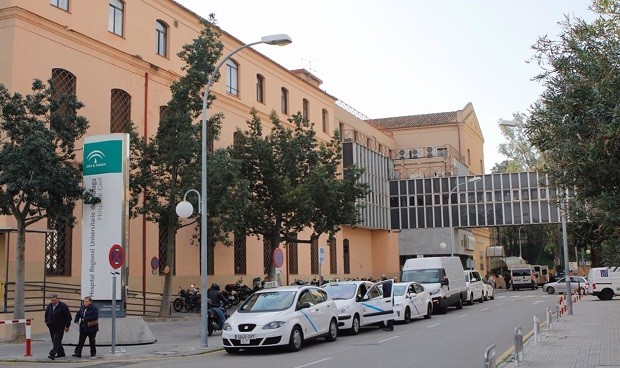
{"x":58,"y":320}
{"x":88,"y":318}
{"x":387,"y":291}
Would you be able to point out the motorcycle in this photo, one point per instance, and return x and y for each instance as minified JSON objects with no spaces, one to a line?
{"x":213,"y":319}
{"x":237,"y":292}
{"x":188,"y":300}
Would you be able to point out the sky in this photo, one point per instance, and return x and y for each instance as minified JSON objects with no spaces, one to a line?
{"x":388,"y":58}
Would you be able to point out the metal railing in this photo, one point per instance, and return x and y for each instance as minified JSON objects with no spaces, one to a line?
{"x":489,"y":357}
{"x":519,"y":344}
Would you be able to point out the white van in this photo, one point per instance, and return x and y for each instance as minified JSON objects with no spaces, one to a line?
{"x":441,"y":276}
{"x":475,"y":286}
{"x":604,"y":282}
{"x":522,"y":277}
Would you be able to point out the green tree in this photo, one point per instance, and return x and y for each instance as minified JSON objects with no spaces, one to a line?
{"x":39,"y":176}
{"x":295,"y":183}
{"x":517,"y":148}
{"x":576,"y":122}
{"x":170,"y":164}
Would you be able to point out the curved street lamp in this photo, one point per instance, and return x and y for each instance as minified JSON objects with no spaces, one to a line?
{"x":279,"y":40}
{"x":475,"y":179}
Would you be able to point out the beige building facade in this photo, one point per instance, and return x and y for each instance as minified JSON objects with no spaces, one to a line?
{"x":119,"y":57}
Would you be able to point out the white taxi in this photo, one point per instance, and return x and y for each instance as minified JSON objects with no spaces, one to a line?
{"x":283,"y":316}
{"x":411,"y":301}
{"x":360,"y":303}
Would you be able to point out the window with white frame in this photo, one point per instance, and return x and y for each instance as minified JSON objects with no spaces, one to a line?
{"x":116,"y":11}
{"x":161,"y":38}
{"x":232,"y":77}
{"x":61,"y":4}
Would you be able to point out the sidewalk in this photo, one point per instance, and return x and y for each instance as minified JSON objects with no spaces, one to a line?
{"x":588,"y":338}
{"x":175,"y":336}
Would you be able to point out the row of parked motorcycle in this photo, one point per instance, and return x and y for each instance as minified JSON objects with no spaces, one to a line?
{"x":189,"y":299}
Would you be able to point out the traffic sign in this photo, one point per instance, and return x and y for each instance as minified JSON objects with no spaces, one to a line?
{"x":321,"y":255}
{"x":278,"y":257}
{"x":116,"y":256}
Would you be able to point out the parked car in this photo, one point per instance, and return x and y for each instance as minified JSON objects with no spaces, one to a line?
{"x":474,"y":285}
{"x":605,"y":282}
{"x":489,"y":290}
{"x":411,"y":300}
{"x":359,"y":303}
{"x":523,"y":277}
{"x":284,"y":316}
{"x":576,"y":282}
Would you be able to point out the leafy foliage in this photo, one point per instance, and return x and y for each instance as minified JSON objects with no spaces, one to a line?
{"x":576,"y":122}
{"x":294,"y":182}
{"x":39,"y":176}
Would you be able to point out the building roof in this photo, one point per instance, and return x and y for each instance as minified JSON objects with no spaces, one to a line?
{"x":410,"y":121}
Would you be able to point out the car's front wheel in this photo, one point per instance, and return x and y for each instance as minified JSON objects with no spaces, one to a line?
{"x":355,"y":326}
{"x":429,"y":311}
{"x":296,"y":340}
{"x":407,"y":316}
{"x":332,"y":334}
{"x":550,"y":290}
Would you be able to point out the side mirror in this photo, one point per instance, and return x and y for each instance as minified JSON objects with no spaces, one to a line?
{"x":473,"y":279}
{"x":305,"y":305}
{"x":365,"y":298}
{"x":445,"y":282}
{"x":411,"y":295}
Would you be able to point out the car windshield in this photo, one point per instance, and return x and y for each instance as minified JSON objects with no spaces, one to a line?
{"x":399,"y":290}
{"x":341,"y":291}
{"x":428,"y":276}
{"x":268,"y":302}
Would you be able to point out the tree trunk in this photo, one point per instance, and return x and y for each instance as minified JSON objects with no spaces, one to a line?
{"x":19,"y":329}
{"x":164,"y":308}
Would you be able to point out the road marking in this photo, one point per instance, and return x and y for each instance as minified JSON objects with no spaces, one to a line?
{"x":515,"y":296}
{"x":462,"y":315}
{"x":538,"y":301}
{"x":312,"y":363}
{"x":389,"y":338}
{"x":500,"y":304}
{"x":482,"y":310}
{"x":436,"y":324}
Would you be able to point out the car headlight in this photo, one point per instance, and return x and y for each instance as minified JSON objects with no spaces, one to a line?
{"x":273,"y":325}
{"x":227,"y":327}
{"x":435,"y":291}
{"x":343,"y":310}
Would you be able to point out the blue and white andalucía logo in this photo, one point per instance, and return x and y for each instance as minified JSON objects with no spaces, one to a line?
{"x":103,"y":157}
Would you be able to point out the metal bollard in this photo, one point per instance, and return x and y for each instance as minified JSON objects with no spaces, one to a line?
{"x":548,"y":318}
{"x":519,"y":344}
{"x":489,"y":357}
{"x":557,"y":313}
{"x":536,"y":330}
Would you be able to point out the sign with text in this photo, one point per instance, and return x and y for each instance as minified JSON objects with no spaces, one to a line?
{"x":105,"y":223}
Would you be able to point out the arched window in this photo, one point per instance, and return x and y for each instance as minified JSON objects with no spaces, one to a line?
{"x":306,"y":109}
{"x":346,"y":256}
{"x":333,"y":257}
{"x":116,"y":11}
{"x":314,"y":256}
{"x":161,"y":38}
{"x":120,"y":111}
{"x":260,"y":88}
{"x":232,"y":77}
{"x":284,"y":101}
{"x":58,"y":244}
{"x":240,"y":254}
{"x":325,"y":120}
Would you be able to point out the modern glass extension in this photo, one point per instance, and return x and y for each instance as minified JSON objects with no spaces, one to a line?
{"x":496,"y":200}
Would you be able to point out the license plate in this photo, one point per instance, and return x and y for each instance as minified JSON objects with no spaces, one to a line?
{"x":244,"y":339}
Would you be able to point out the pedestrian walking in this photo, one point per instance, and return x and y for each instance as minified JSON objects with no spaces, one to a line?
{"x":88,"y":319}
{"x":57,"y":320}
{"x":387,"y":291}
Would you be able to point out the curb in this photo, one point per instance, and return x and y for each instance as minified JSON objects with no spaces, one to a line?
{"x":504,"y":357}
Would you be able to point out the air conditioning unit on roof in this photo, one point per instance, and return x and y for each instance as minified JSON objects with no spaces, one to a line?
{"x":431,"y":152}
{"x":416,"y":153}
{"x":403,"y":154}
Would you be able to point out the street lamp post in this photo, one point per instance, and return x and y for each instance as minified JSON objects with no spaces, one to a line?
{"x":280,"y":40}
{"x":475,"y":179}
{"x":519,"y":235}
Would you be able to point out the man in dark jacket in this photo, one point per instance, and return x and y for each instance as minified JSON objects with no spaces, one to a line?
{"x":58,"y":320}
{"x":88,"y":318}
{"x":217,"y":300}
{"x":387,"y":291}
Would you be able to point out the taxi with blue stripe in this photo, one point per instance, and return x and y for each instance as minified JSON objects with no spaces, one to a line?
{"x":360,"y":303}
{"x":283,"y":316}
